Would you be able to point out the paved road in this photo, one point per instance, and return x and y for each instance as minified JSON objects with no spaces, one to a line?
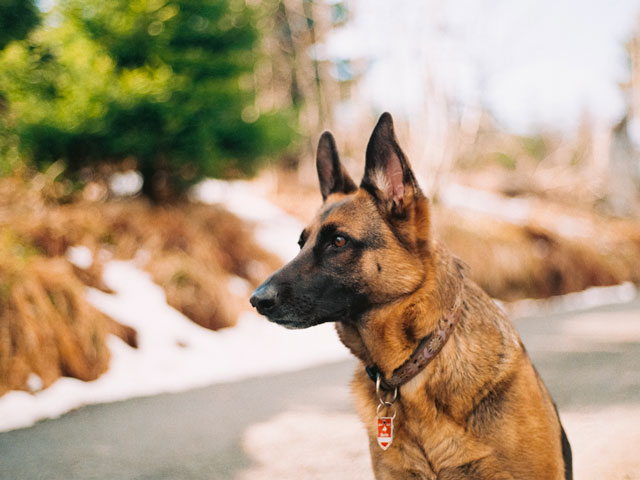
{"x":589,"y":360}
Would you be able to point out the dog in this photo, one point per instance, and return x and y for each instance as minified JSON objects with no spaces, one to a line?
{"x":446,"y":389}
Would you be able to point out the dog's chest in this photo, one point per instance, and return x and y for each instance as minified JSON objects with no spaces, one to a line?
{"x":426,"y":439}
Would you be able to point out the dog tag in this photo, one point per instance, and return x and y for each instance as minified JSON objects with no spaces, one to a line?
{"x":385,"y":432}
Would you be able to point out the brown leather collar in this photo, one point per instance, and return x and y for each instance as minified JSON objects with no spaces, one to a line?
{"x":426,"y":351}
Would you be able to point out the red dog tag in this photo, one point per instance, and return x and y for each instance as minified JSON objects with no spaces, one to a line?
{"x":385,"y":432}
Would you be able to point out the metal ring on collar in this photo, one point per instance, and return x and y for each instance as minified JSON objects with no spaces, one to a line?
{"x":386,"y":404}
{"x":395,"y":390}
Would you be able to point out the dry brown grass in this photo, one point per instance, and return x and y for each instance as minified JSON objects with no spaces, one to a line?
{"x":191,"y":250}
{"x":48,"y":328}
{"x":512,"y":262}
{"x":46,"y":325}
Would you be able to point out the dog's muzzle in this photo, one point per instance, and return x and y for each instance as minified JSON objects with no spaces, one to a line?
{"x":265,"y":298}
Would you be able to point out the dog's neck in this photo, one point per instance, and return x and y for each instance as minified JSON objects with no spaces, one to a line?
{"x":426,"y":351}
{"x":402,"y":338}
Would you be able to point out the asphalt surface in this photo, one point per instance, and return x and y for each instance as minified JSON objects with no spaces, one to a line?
{"x":191,"y":435}
{"x":199,"y":434}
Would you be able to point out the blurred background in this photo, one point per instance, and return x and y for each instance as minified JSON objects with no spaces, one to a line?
{"x":157,"y":163}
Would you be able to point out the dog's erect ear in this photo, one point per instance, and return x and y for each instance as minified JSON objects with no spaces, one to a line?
{"x":387,"y":173}
{"x":332,"y":175}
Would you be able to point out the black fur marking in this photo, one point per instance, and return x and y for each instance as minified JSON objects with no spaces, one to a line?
{"x":328,"y":210}
{"x":441,"y":406}
{"x":409,"y":330}
{"x":467,"y":468}
{"x":326,"y":232}
{"x":490,"y":408}
{"x":468,"y":471}
{"x":566,"y":447}
{"x":370,"y":188}
{"x":379,"y":267}
{"x":330,"y":230}
{"x":373,"y":241}
{"x":566,"y":454}
{"x":303,"y":238}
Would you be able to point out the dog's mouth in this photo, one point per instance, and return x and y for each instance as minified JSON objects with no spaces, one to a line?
{"x":297,"y":320}
{"x":290,"y":324}
{"x":295,"y":323}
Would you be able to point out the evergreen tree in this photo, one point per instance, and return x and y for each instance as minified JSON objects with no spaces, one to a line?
{"x":167,"y":83}
{"x":17,"y":18}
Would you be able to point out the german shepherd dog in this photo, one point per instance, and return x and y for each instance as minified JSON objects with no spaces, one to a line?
{"x":443,"y":362}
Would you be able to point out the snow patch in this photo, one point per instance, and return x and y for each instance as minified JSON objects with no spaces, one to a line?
{"x":127,"y":183}
{"x":174,"y":353}
{"x":34,"y":382}
{"x":275,"y":230}
{"x":590,"y":298}
{"x":513,"y":210}
{"x":80,"y":256}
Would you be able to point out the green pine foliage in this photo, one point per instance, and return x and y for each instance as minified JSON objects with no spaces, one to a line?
{"x":17,"y":18}
{"x":167,"y":83}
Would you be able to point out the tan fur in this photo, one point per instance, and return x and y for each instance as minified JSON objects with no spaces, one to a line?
{"x":484,"y":351}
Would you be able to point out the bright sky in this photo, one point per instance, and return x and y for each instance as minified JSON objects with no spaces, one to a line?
{"x":533,"y":63}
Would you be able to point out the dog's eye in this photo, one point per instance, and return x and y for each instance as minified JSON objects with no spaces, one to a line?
{"x":339,"y":241}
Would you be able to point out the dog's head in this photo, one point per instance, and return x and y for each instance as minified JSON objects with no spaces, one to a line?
{"x":366,"y":247}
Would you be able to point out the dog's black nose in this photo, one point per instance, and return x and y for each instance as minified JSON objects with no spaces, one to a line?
{"x":264,"y":299}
